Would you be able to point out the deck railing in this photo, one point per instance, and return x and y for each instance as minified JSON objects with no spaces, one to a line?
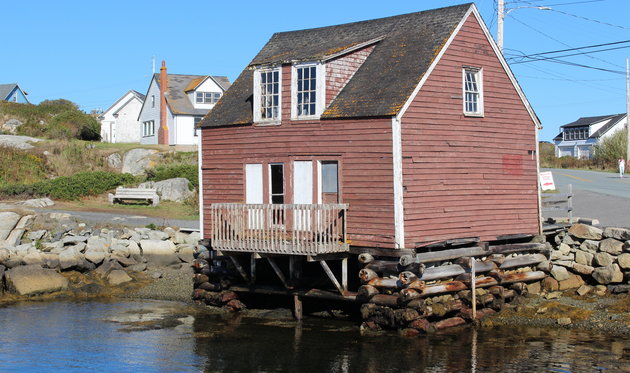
{"x":279,"y":228}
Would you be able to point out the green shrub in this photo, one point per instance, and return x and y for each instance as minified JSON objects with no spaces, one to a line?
{"x":610,"y":149}
{"x":55,"y":119}
{"x":70,"y":187}
{"x":74,"y":124}
{"x":188,"y":171}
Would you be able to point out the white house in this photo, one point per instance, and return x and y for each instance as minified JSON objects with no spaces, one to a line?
{"x":175,"y":104}
{"x":576,"y":139}
{"x":120,"y":123}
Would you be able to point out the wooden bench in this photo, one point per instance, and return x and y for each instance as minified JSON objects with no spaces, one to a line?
{"x":149,"y":195}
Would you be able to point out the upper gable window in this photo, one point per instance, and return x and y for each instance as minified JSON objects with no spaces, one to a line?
{"x":267,"y":97}
{"x":307,"y":83}
{"x":473,"y":92}
{"x":207,"y":97}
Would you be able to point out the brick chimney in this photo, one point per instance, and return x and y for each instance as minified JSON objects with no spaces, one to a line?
{"x":163,"y":130}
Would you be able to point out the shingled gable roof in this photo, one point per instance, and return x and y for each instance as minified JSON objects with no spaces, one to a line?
{"x":406,"y":45}
{"x":178,"y":85}
{"x":6,"y":89}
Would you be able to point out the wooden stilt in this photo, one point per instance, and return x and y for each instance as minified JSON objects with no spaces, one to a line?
{"x":297,"y":307}
{"x":239,"y":268}
{"x":331,"y":276}
{"x":473,"y":285}
{"x":344,"y":274}
{"x":279,"y":273}
{"x":252,"y":268}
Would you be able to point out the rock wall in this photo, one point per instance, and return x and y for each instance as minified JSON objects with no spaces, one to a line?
{"x":590,"y":258}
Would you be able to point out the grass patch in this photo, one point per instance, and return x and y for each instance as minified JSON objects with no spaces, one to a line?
{"x":19,"y":166}
{"x":166,"y":210}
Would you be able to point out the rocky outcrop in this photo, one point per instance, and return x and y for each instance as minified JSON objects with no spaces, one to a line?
{"x":176,"y":189}
{"x":36,"y":261}
{"x":33,"y":279}
{"x":17,"y":142}
{"x":136,"y":161}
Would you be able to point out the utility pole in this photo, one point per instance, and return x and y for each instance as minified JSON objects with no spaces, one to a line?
{"x":501,"y":13}
{"x":500,"y":18}
{"x":627,"y":109}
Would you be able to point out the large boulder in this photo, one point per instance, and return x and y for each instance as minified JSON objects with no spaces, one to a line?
{"x":608,"y":274}
{"x":586,"y":232}
{"x":136,"y":161}
{"x":620,"y":234}
{"x":8,"y":221}
{"x":69,"y":258}
{"x":159,"y":252}
{"x":117,"y":277}
{"x":114,"y":161}
{"x":611,"y":246}
{"x":38,"y":202}
{"x":33,"y":279}
{"x":624,"y":260}
{"x":10,"y":126}
{"x":176,"y":189}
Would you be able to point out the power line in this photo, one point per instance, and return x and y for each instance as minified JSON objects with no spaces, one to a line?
{"x":560,"y":42}
{"x":590,"y":19}
{"x":578,"y":48}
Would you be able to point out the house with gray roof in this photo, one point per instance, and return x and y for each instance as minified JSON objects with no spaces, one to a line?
{"x":13,"y":93}
{"x":120,"y":122}
{"x":576,"y":139}
{"x":175,"y":103}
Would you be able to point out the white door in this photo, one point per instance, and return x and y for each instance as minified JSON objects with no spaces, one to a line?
{"x":302,"y":192}
{"x":254,"y":193}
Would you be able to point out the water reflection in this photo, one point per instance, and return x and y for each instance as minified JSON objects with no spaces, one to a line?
{"x":167,"y":336}
{"x":249,"y":345}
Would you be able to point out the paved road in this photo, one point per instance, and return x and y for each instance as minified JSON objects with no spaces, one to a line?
{"x":599,"y":195}
{"x":127,"y":220}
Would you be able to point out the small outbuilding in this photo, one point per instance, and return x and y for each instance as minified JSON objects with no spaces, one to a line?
{"x":389,"y":133}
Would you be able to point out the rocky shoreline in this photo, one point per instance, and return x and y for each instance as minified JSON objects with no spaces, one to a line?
{"x":48,"y":256}
{"x":56,"y":257}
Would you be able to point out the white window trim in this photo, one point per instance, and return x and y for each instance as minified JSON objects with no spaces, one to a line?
{"x":257,"y":117}
{"x":320,"y":90}
{"x":480,"y":104}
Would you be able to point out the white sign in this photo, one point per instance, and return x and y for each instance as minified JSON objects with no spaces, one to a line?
{"x":546,"y":181}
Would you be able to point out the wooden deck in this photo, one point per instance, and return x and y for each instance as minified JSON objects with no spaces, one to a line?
{"x":287,"y":229}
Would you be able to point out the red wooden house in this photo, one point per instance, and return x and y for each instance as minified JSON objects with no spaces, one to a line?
{"x":390,"y":133}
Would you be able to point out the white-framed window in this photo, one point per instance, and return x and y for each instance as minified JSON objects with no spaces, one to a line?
{"x":152,"y":101}
{"x":473,"y":91}
{"x":197,"y":119}
{"x":267,"y":95}
{"x":308,"y":92}
{"x":207,"y":97}
{"x":148,"y":128}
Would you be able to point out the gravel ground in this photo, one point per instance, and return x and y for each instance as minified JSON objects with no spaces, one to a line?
{"x":609,"y":314}
{"x":175,"y":284}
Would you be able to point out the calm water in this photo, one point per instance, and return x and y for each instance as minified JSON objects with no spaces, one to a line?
{"x":165,"y":337}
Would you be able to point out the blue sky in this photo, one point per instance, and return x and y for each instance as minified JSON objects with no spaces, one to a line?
{"x":91,"y":52}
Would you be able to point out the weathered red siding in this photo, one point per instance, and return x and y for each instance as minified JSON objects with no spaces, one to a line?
{"x":467,"y":176}
{"x":362,"y":147}
{"x":341,"y":69}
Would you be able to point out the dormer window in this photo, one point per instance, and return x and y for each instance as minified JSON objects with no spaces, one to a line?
{"x":267,"y":95}
{"x":473,"y":92}
{"x":207,"y":97}
{"x":307,"y":83}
